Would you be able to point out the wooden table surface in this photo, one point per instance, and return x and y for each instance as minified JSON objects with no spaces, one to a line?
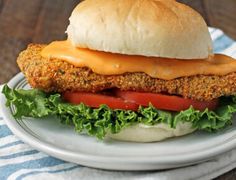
{"x":42,"y":21}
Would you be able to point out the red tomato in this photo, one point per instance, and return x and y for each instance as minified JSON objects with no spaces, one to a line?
{"x":166,"y":102}
{"x":95,"y":100}
{"x":130,"y":100}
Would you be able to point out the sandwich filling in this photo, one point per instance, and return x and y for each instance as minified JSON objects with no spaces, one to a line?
{"x":102,"y":104}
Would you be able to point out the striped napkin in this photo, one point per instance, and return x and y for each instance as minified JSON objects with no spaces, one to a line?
{"x":19,"y":161}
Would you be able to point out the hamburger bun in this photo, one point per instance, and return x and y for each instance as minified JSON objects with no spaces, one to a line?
{"x":159,"y":132}
{"x":158,"y":28}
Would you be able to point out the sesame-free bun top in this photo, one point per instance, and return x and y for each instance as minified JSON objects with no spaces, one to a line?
{"x":158,"y":28}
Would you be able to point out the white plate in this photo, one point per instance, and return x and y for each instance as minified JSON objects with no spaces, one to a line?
{"x":60,"y":141}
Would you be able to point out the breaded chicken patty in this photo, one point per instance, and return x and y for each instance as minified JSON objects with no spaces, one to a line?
{"x":59,"y":76}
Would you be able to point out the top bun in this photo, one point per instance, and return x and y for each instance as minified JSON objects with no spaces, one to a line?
{"x":158,"y":28}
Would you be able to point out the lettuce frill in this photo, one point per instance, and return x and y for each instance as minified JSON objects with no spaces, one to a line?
{"x":99,"y":121}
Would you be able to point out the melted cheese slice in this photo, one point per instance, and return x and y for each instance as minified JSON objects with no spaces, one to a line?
{"x":113,"y":64}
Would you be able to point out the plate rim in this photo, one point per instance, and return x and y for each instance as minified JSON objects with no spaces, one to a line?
{"x":85,"y":159}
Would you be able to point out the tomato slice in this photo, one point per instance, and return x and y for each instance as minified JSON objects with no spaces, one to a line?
{"x":130,"y":100}
{"x":95,"y":100}
{"x":166,"y":102}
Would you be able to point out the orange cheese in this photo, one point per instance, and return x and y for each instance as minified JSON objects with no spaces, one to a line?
{"x":112,"y":64}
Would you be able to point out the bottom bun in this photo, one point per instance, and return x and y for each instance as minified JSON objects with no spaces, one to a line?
{"x":159,"y":132}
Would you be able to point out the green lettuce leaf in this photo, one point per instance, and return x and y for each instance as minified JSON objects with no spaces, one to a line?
{"x":99,"y":121}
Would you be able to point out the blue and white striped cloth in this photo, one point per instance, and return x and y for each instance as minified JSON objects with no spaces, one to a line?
{"x":19,"y":161}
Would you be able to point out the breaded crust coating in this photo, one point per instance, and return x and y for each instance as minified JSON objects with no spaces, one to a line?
{"x":59,"y":76}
